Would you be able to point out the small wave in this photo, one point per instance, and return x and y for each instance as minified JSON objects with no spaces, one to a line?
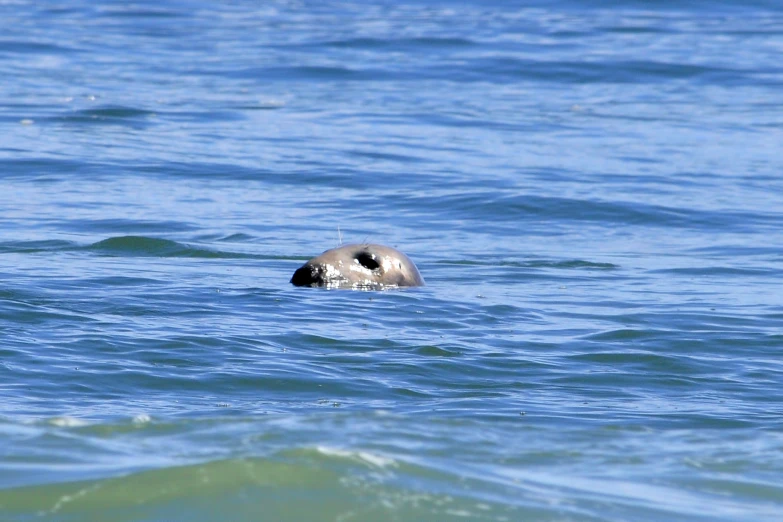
{"x":565,"y":264}
{"x":109,"y":114}
{"x":132,"y":11}
{"x":117,"y":111}
{"x":365,"y":457}
{"x":25,"y":47}
{"x":68,"y":422}
{"x":33,"y":247}
{"x":312,"y":72}
{"x":618,"y":72}
{"x":155,"y":247}
{"x":385,"y":156}
{"x":397,"y":43}
{"x":236,"y":238}
{"x":723,"y":271}
{"x":512,"y":208}
{"x":573,"y":263}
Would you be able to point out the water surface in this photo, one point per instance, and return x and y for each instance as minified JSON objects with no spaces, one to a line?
{"x":591,"y":190}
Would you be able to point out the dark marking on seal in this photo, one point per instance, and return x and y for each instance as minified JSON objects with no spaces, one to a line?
{"x":367,"y":261}
{"x":367,"y":266}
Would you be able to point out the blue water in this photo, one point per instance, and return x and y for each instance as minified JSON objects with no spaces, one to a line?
{"x":591,"y":189}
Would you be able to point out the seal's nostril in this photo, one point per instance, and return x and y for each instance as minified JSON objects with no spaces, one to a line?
{"x":367,"y":260}
{"x":303,"y":276}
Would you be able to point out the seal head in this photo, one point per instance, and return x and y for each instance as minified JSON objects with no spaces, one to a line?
{"x":363,"y":267}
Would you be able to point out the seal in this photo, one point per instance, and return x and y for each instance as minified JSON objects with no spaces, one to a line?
{"x":361,"y":267}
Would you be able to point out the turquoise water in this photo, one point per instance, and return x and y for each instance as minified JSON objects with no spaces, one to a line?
{"x":591,"y":189}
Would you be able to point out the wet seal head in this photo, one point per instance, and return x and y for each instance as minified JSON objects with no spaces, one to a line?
{"x":361,"y":267}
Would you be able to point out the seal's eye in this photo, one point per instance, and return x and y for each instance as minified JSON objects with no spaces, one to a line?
{"x":367,"y":261}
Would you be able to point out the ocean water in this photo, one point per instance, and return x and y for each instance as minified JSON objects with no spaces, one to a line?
{"x":592,"y":190}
